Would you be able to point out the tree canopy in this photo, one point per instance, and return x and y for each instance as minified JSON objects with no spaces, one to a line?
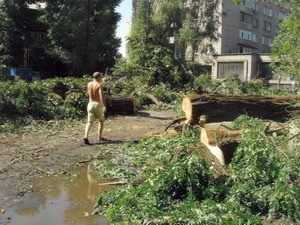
{"x":174,"y":24}
{"x":82,"y":33}
{"x":161,"y":32}
{"x":14,"y":21}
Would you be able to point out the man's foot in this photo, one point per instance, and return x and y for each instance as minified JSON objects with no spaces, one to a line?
{"x":102,"y":139}
{"x":86,"y":141}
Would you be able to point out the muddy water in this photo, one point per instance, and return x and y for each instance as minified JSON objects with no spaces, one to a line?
{"x":64,"y":199}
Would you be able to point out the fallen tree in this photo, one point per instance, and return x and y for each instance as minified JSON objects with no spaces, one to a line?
{"x":124,"y":105}
{"x":120,"y":105}
{"x":227,"y":108}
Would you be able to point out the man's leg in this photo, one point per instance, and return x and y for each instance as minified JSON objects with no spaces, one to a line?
{"x":100,"y":129}
{"x":86,"y":134}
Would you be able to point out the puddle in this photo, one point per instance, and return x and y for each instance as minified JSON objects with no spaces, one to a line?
{"x":63,"y":199}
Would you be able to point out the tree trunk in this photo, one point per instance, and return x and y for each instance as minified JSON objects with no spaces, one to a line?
{"x":122,"y":105}
{"x":219,"y":108}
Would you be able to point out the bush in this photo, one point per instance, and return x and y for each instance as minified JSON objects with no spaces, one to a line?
{"x":37,"y":99}
{"x":157,"y":66}
{"x":5,"y":101}
{"x":28,"y":99}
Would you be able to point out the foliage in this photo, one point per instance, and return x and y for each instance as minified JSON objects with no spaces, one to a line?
{"x":233,"y":85}
{"x":143,"y":155}
{"x":140,"y":87}
{"x":175,"y":186}
{"x":153,"y":54}
{"x":14,"y":20}
{"x":37,"y":99}
{"x":200,"y":26}
{"x":263,"y":179}
{"x":84,"y":35}
{"x":286,"y":45}
{"x":83,"y":38}
{"x":28,"y":99}
{"x":157,"y":65}
{"x":206,"y":82}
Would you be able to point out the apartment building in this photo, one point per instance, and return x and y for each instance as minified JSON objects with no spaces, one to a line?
{"x":249,"y":27}
{"x":246,"y":33}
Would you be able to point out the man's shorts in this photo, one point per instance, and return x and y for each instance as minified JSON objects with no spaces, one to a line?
{"x":95,"y":111}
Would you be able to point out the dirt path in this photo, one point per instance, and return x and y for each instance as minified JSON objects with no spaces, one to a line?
{"x":54,"y":148}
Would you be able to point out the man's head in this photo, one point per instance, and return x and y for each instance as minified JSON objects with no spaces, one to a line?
{"x":97,"y":75}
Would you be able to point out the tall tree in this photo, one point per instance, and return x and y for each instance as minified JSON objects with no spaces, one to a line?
{"x":200,"y":27}
{"x":13,"y":23}
{"x":4,"y":24}
{"x":82,"y":33}
{"x":17,"y":21}
{"x":161,"y":32}
{"x":182,"y":22}
{"x":286,"y":45}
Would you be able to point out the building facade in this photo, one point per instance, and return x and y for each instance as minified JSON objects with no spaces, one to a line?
{"x":246,"y":33}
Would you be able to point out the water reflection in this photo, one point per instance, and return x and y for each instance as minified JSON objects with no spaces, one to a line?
{"x":62,"y":200}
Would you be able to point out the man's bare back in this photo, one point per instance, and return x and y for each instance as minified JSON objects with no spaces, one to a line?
{"x":95,"y":91}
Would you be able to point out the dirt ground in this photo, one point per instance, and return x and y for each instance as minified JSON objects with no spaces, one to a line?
{"x":54,"y":148}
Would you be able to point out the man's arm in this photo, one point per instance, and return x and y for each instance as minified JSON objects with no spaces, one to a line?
{"x":102,"y":97}
{"x":89,"y":91}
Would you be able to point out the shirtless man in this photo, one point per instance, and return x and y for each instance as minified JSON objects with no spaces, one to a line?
{"x":96,"y":106}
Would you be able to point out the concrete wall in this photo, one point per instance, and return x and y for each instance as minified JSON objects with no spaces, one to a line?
{"x":250,"y":62}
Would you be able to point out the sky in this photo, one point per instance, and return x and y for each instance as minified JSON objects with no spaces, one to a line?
{"x":125,"y":9}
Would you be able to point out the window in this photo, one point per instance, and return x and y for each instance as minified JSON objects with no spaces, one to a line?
{"x":246,"y":18}
{"x":267,"y":11}
{"x":243,"y":49}
{"x":249,"y":3}
{"x":256,"y":7}
{"x":254,"y":38}
{"x":248,"y":35}
{"x":252,"y":5}
{"x":255,"y":22}
{"x":279,"y":15}
{"x":266,"y":40}
{"x":228,"y":68}
{"x":244,"y":34}
{"x":267,"y":26}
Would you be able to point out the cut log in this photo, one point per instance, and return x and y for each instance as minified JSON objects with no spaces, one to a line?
{"x":227,"y":108}
{"x":121,"y":105}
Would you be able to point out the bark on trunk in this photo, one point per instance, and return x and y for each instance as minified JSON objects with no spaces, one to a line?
{"x":227,"y":108}
{"x":122,"y":105}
